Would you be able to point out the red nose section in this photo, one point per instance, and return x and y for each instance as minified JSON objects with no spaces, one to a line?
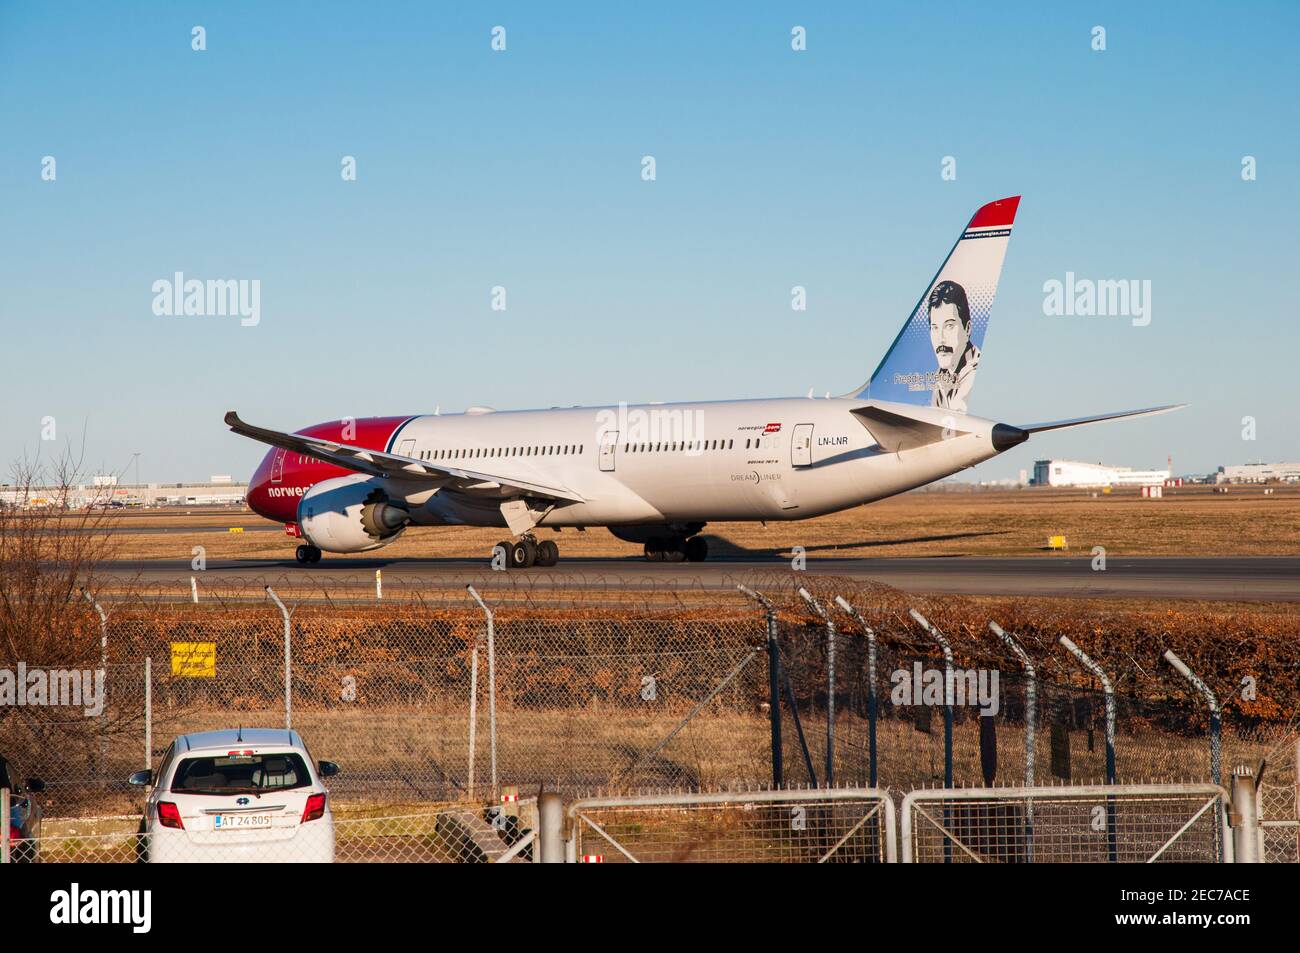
{"x":284,"y":476}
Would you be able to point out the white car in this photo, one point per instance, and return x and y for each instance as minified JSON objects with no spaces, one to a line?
{"x":243,"y":795}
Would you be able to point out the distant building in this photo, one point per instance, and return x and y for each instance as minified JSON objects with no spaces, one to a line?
{"x":1077,"y":473}
{"x":115,"y":494}
{"x":1259,"y":473}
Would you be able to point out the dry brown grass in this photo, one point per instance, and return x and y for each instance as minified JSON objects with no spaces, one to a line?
{"x":1189,"y":521}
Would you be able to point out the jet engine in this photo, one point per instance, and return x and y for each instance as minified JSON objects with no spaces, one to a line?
{"x":644,"y":532}
{"x":350,"y":514}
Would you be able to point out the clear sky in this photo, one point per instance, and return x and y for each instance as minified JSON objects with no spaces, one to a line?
{"x":523,"y":169}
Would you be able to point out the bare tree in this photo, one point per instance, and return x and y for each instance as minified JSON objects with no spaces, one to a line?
{"x":55,"y":533}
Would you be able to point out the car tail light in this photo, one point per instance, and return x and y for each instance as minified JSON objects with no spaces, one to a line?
{"x":169,"y":815}
{"x":315,"y":808}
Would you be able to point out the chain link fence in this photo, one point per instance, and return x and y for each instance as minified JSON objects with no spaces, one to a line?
{"x":454,"y":834}
{"x":619,"y":694}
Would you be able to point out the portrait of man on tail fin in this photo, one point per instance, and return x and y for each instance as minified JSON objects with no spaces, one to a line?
{"x":956,"y":353}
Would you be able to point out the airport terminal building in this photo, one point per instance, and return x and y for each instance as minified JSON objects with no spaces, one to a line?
{"x":106,"y":490}
{"x":1259,"y":473}
{"x":1077,"y":473}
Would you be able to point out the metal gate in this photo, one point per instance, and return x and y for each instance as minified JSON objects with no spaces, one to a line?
{"x":836,"y":825}
{"x":1133,"y":823}
{"x":1278,"y":804}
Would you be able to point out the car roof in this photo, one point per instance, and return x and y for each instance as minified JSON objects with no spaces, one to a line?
{"x":230,"y":737}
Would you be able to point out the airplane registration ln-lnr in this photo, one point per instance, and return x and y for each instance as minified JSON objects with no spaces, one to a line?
{"x":655,"y":474}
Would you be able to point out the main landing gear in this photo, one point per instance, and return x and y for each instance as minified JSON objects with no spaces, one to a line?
{"x":526,"y":552}
{"x":307,"y":555}
{"x":675,"y":549}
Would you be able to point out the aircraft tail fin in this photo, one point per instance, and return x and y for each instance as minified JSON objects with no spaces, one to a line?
{"x":933,"y":360}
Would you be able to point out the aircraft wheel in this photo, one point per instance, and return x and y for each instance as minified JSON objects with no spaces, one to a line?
{"x":673,"y":552}
{"x":523,"y":554}
{"x":697,"y":549}
{"x":654,"y":550}
{"x":307,"y":554}
{"x":548,"y":554}
{"x":503,"y":548}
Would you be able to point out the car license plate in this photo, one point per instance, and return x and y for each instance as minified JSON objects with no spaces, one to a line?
{"x":231,"y":822}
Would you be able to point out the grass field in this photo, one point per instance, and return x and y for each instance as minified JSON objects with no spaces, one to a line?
{"x":1188,"y":521}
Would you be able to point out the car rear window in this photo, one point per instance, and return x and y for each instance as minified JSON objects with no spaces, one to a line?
{"x":241,"y":773}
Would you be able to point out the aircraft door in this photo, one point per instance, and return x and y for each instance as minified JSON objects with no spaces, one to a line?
{"x":277,"y":466}
{"x":608,"y":444}
{"x":406,"y":448}
{"x":801,"y":446}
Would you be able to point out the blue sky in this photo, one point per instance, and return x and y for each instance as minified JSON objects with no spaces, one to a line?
{"x":522,"y":169}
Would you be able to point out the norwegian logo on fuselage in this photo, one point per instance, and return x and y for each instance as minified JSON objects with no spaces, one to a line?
{"x":772,"y":428}
{"x":285,"y":490}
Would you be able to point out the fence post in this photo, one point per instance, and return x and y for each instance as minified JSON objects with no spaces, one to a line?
{"x":473,"y":714}
{"x":947,"y":692}
{"x":4,"y":825}
{"x":194,"y":590}
{"x":103,"y":665}
{"x":1109,"y":694}
{"x":550,"y":828}
{"x":830,"y":684}
{"x":1031,"y":697}
{"x":379,"y":584}
{"x":103,"y":627}
{"x":148,"y":712}
{"x":947,"y":723}
{"x":492,"y":684}
{"x":871,"y":684}
{"x":1031,"y":715}
{"x":773,"y":685}
{"x":1245,"y":827}
{"x":288,"y":661}
{"x":1216,"y":723}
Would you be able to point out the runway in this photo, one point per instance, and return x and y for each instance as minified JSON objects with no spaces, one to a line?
{"x":1244,"y":579}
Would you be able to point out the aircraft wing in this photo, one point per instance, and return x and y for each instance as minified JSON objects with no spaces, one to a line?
{"x":396,"y":467}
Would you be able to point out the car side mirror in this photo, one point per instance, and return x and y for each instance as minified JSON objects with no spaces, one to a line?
{"x":327,"y":769}
{"x":141,"y":778}
{"x":35,"y":785}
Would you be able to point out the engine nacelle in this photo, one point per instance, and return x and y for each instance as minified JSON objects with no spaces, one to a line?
{"x":350,"y":514}
{"x":644,"y":532}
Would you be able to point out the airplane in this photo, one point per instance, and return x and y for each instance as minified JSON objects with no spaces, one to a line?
{"x":656,"y":474}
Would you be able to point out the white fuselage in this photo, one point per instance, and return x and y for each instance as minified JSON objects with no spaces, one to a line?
{"x":779,"y":459}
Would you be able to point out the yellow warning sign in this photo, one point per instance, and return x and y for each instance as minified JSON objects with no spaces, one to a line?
{"x":194,"y":659}
{"x":1057,"y":542}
